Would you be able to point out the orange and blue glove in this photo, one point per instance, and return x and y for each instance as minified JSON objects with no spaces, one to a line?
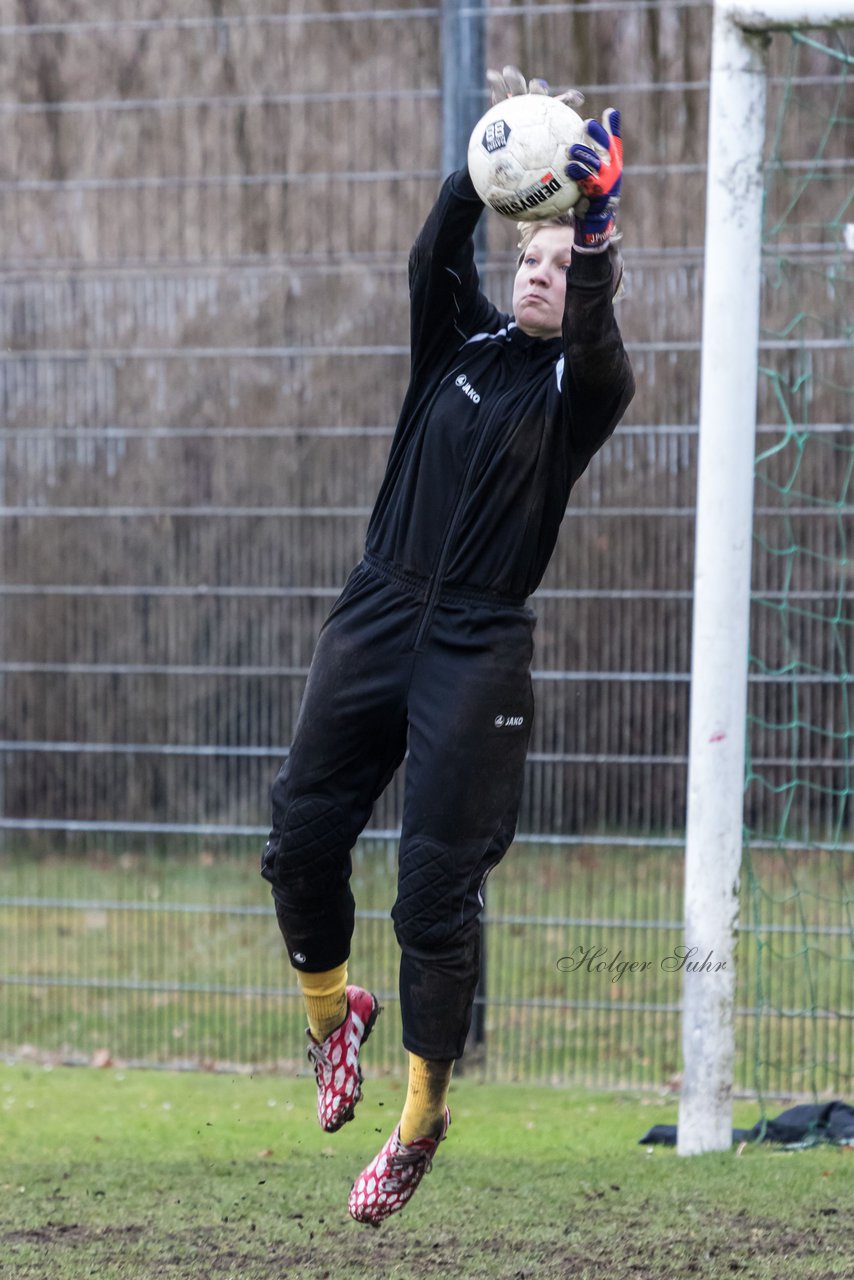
{"x":598,"y":177}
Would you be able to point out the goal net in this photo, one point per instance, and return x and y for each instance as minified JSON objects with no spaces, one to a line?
{"x":798,"y":896}
{"x":769,"y":865}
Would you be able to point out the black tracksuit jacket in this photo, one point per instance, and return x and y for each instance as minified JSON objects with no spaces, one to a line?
{"x":429,"y":646}
{"x":496,"y":426}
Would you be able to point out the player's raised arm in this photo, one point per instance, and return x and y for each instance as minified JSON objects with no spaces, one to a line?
{"x":598,"y":381}
{"x":446,"y":302}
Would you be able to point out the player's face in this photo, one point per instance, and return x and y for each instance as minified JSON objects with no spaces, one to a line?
{"x":539,"y":290}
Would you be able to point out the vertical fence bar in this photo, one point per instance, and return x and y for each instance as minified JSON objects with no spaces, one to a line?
{"x":463,"y":41}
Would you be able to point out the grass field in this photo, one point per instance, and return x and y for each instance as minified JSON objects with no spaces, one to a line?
{"x":140,"y":1174}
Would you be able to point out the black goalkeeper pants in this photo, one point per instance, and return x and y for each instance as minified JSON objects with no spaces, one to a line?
{"x":449,"y":679}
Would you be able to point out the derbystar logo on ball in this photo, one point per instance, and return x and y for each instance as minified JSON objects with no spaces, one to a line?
{"x":541,"y":191}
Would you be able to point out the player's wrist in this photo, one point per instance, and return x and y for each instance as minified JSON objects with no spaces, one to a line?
{"x":462,"y":185}
{"x":593,"y":232}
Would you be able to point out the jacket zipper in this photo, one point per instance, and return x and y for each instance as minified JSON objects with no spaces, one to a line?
{"x":450,"y":530}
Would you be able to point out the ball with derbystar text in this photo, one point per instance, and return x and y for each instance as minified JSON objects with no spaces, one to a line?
{"x":517,"y":157}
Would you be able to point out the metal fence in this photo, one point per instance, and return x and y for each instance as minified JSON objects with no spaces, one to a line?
{"x":204,"y":223}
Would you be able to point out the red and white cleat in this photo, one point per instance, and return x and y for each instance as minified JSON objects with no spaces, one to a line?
{"x":336,"y":1061}
{"x":390,"y":1180}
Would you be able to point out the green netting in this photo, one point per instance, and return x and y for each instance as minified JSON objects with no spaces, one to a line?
{"x":797,"y":996}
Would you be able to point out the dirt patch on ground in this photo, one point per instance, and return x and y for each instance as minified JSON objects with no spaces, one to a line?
{"x":754,"y":1249}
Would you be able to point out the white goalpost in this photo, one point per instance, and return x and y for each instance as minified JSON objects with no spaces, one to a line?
{"x":729,"y":373}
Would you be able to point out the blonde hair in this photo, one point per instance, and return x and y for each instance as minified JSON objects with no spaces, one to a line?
{"x":527,"y":231}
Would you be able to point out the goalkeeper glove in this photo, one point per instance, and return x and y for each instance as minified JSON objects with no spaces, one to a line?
{"x":598,"y":178}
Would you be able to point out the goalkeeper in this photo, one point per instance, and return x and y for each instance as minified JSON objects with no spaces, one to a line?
{"x":429,"y":646}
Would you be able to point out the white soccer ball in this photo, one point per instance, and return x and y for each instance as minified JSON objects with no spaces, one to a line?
{"x":517,"y":157}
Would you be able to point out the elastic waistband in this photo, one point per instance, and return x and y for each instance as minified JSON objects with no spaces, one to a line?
{"x":419,"y":585}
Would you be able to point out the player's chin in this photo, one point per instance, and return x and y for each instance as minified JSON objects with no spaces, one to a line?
{"x":535,"y":323}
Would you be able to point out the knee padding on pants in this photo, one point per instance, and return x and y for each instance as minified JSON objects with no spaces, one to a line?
{"x":313,"y":849}
{"x":428,"y":913}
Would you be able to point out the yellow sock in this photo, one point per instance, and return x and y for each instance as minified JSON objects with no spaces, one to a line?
{"x":325,"y":997}
{"x":426,"y":1095}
